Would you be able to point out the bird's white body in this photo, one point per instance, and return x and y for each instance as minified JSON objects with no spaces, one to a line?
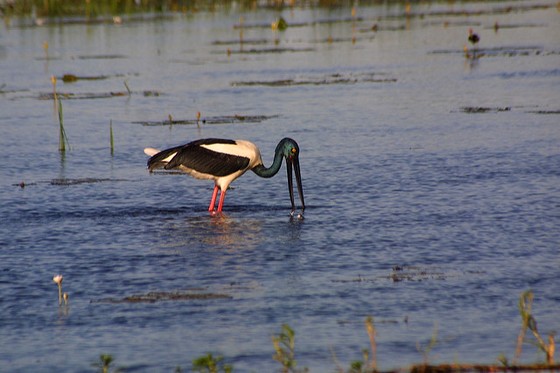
{"x":151,"y":151}
{"x":241,"y":148}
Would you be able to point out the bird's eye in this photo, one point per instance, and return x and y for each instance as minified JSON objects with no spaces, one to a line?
{"x":294,"y":150}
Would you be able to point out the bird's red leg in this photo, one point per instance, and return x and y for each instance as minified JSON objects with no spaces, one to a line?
{"x":213,"y":200}
{"x":222,"y":198}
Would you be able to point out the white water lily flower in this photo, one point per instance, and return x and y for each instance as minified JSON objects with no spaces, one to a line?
{"x":58,"y":279}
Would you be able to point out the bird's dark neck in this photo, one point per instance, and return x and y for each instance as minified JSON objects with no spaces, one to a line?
{"x":267,"y":172}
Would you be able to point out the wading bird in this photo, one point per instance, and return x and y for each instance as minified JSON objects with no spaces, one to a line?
{"x":473,"y":38}
{"x":224,"y":160}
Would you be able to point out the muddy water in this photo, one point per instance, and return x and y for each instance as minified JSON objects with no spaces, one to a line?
{"x":431,"y":177}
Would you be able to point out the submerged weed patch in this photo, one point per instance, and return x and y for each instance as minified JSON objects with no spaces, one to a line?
{"x":339,"y":78}
{"x":158,"y":296}
{"x":222,"y":119}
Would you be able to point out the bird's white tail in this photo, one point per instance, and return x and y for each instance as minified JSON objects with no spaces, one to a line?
{"x":151,"y":151}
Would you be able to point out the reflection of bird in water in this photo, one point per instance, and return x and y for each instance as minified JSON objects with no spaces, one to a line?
{"x":225,"y":160}
{"x":473,"y":37}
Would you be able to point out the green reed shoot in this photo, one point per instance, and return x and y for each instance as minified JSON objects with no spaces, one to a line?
{"x":284,"y":345}
{"x":62,"y":138}
{"x":358,"y":366}
{"x":111,"y":137}
{"x":55,"y":95}
{"x":210,"y":364}
{"x":104,"y":363}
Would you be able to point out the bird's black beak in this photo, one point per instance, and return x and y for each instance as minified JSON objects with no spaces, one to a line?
{"x":294,"y":161}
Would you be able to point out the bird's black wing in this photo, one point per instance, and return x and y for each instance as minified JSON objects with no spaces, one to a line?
{"x":157,"y":160}
{"x":207,"y":161}
{"x":194,"y":156}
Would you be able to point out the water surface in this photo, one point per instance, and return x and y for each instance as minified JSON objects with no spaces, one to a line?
{"x":432,"y":182}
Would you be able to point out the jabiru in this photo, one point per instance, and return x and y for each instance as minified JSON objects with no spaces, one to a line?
{"x":224,"y":160}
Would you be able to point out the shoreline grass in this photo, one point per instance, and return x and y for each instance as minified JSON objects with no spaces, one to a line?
{"x":90,"y":10}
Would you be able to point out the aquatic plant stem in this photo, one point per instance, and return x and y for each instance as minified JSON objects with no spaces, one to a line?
{"x":62,"y":138}
{"x":284,"y":345}
{"x":525,"y":302}
{"x":55,"y":96}
{"x":46,"y":49}
{"x":371,"y":333}
{"x":58,"y":281}
{"x":529,"y":322}
{"x":112,"y":139}
{"x":551,"y":348}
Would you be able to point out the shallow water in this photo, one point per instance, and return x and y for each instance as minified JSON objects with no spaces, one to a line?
{"x":432,"y":183}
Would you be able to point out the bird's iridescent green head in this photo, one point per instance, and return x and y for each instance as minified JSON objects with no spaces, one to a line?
{"x":288,"y":148}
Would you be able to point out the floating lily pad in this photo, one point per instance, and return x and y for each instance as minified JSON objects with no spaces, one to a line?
{"x":226,"y":119}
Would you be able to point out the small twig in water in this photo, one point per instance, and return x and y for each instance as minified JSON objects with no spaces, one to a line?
{"x":127,"y":88}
